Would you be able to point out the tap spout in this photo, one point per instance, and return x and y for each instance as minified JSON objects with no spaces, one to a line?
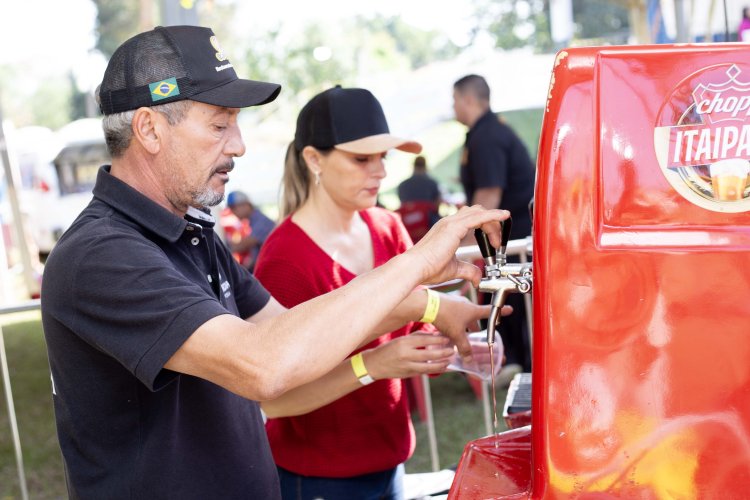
{"x":498,"y":300}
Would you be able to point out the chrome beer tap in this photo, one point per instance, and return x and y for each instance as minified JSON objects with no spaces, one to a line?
{"x":500,"y":278}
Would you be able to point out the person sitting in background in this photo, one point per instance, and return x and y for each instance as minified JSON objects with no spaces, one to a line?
{"x":420,"y":186}
{"x":245,"y":228}
{"x":333,"y":438}
{"x":420,"y":200}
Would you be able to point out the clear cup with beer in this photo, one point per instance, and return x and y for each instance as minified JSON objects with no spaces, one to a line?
{"x":485,"y":361}
{"x":729,"y":178}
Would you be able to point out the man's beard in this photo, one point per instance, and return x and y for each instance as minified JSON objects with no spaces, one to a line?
{"x":208,"y":197}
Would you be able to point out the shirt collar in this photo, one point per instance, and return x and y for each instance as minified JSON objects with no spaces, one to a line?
{"x":489,"y":115}
{"x":143,"y":210}
{"x":200,"y":216}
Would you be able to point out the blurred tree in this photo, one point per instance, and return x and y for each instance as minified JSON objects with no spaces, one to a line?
{"x":12,"y":97}
{"x":50,"y":103}
{"x":420,"y":47}
{"x":601,"y":20}
{"x":525,"y":23}
{"x":27,"y":100}
{"x":638,"y":19}
{"x":77,"y":99}
{"x":220,"y":16}
{"x":515,"y":23}
{"x":320,"y":55}
{"x":303,"y":72}
{"x":116,"y":21}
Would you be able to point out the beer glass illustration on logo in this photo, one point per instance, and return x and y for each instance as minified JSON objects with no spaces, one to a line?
{"x":729,"y":178}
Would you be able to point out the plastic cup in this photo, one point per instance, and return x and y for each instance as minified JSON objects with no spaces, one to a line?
{"x":480,"y":353}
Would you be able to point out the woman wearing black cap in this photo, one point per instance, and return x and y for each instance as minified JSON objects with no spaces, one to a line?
{"x":347,"y":434}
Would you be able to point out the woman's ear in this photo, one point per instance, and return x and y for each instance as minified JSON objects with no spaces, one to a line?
{"x":147,"y":129}
{"x":312,"y":159}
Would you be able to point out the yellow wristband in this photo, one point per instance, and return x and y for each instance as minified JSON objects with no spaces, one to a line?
{"x":432,"y":308}
{"x":360,"y":371}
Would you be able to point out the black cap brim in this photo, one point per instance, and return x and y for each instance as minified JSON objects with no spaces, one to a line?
{"x":239,"y":94}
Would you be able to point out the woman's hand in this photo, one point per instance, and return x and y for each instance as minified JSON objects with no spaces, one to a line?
{"x":410,"y":355}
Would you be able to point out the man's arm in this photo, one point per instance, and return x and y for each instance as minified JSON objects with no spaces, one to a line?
{"x":456,"y":314}
{"x":265,"y":359}
{"x":243,"y":245}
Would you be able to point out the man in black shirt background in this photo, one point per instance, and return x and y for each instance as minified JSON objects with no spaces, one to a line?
{"x":496,"y":172}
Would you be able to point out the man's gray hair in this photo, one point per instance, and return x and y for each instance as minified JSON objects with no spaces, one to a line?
{"x":118,"y":131}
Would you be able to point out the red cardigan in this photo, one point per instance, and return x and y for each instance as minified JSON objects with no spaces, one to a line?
{"x":368,"y":430}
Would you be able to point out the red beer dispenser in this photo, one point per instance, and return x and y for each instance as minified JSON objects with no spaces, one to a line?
{"x":641,"y":298}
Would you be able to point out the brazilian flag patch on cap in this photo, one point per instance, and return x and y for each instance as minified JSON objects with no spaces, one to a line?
{"x":163,"y":89}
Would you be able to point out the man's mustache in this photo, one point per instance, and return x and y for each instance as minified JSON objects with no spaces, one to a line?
{"x":226,"y":167}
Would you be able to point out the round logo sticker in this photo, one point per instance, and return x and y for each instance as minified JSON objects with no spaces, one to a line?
{"x":702,"y":138}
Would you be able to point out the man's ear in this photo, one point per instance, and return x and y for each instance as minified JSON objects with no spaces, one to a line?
{"x":148,"y":129}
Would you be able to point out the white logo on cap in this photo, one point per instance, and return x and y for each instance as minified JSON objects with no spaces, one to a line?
{"x":219,"y":53}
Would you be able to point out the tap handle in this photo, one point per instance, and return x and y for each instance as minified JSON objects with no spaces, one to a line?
{"x":505,"y":226}
{"x":488,"y":251}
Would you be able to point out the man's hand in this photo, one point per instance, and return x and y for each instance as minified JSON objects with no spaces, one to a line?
{"x":438,"y":247}
{"x":458,"y":315}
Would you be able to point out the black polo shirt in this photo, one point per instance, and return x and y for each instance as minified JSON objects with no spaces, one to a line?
{"x":494,"y":156}
{"x":418,"y":187}
{"x":124,"y":287}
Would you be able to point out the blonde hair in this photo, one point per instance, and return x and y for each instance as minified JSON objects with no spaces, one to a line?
{"x":295,"y":183}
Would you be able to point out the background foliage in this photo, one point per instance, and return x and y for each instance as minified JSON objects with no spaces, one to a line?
{"x":362,"y":44}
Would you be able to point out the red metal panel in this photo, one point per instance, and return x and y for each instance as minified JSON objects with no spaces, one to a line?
{"x":516,"y":420}
{"x":495,"y":467}
{"x":641,"y":375}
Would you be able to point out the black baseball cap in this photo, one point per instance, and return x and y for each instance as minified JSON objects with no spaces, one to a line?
{"x":173,"y":63}
{"x":351,"y":120}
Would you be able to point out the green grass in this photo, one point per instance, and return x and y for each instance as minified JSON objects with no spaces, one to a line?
{"x":457,"y":412}
{"x":30,"y":383}
{"x":458,"y":420}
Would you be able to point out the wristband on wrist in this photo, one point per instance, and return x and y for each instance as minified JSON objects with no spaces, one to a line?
{"x":432,"y":308}
{"x":360,"y":371}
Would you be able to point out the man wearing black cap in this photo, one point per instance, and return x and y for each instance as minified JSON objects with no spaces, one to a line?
{"x":154,"y":372}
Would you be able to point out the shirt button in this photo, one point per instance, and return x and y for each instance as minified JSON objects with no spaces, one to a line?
{"x":195,"y":241}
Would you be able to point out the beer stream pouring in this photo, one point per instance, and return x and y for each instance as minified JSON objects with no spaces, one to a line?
{"x":500,"y":278}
